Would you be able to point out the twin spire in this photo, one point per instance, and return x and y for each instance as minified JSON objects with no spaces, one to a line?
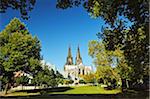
{"x":70,"y":58}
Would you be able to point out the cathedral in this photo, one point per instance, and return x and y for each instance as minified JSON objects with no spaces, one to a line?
{"x":73,"y":71}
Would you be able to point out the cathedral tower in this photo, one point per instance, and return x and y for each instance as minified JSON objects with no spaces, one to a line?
{"x":69,"y":60}
{"x":78,"y":57}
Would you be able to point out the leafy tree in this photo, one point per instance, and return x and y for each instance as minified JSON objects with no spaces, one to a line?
{"x":135,"y":49}
{"x":59,"y":77}
{"x":24,"y":6}
{"x":68,"y":81}
{"x":103,"y":60}
{"x":107,"y":74}
{"x":124,"y":71}
{"x":52,"y":81}
{"x":90,"y":78}
{"x":100,"y":81}
{"x":81,"y":81}
{"x":23,"y":80}
{"x":100,"y":55}
{"x":18,"y":51}
{"x":136,"y":11}
{"x":45,"y":77}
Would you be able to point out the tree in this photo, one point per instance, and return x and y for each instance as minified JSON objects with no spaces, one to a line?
{"x":107,"y":75}
{"x":46,"y":77}
{"x":68,"y":81}
{"x":52,"y":82}
{"x":81,"y":81}
{"x":90,"y":78}
{"x":24,"y":6}
{"x":19,"y":51}
{"x":104,"y":60}
{"x":23,"y":80}
{"x":59,"y":77}
{"x":124,"y":71}
{"x":100,"y":55}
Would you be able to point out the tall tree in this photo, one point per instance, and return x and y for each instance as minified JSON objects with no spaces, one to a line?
{"x":104,"y":60}
{"x":59,"y":77}
{"x":98,"y":52}
{"x":19,"y":51}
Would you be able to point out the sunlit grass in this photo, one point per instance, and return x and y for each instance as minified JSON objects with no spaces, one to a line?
{"x":73,"y":90}
{"x":88,"y":90}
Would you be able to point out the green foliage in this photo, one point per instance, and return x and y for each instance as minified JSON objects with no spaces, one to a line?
{"x":45,"y":77}
{"x":134,"y":10}
{"x":100,"y":55}
{"x":107,"y":74}
{"x":22,"y":80}
{"x":81,"y":81}
{"x":103,"y":60}
{"x":19,"y":51}
{"x":24,"y":6}
{"x":67,"y":81}
{"x":90,"y":78}
{"x":59,"y":77}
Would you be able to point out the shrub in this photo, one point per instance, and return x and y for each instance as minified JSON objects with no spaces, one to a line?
{"x":82,"y":81}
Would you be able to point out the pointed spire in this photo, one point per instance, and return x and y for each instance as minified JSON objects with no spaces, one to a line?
{"x":69,"y":52}
{"x":78,"y":53}
{"x":69,"y":60}
{"x":78,"y":57}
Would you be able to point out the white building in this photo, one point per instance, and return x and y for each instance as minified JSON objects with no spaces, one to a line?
{"x":49,"y":65}
{"x":73,"y":71}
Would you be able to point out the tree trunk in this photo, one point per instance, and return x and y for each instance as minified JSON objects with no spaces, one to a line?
{"x":6,"y":88}
{"x":124,"y":86}
{"x":127,"y":84}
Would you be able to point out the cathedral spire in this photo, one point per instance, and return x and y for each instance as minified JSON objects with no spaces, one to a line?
{"x":78,"y":57}
{"x":69,"y":60}
{"x":69,"y":52}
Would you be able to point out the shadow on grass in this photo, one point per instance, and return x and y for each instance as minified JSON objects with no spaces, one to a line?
{"x":47,"y":90}
{"x":45,"y":94}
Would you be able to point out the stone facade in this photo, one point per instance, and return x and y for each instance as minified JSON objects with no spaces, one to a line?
{"x":73,"y":71}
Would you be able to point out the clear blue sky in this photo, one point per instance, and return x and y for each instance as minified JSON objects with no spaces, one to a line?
{"x":57,"y":28}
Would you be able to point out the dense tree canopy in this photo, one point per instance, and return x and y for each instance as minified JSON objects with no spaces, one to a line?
{"x":104,"y":60}
{"x":19,"y":51}
{"x":89,"y":78}
{"x":46,"y":77}
{"x":101,"y":56}
{"x":24,"y":6}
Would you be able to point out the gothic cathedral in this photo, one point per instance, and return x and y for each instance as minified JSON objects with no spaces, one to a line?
{"x":73,"y":71}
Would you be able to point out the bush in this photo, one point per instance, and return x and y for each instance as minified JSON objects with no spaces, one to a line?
{"x":68,"y":82}
{"x":82,"y":81}
{"x":100,"y":81}
{"x":43,"y":92}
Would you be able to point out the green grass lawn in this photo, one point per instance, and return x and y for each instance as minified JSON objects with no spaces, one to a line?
{"x":71,"y":90}
{"x":88,"y":90}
